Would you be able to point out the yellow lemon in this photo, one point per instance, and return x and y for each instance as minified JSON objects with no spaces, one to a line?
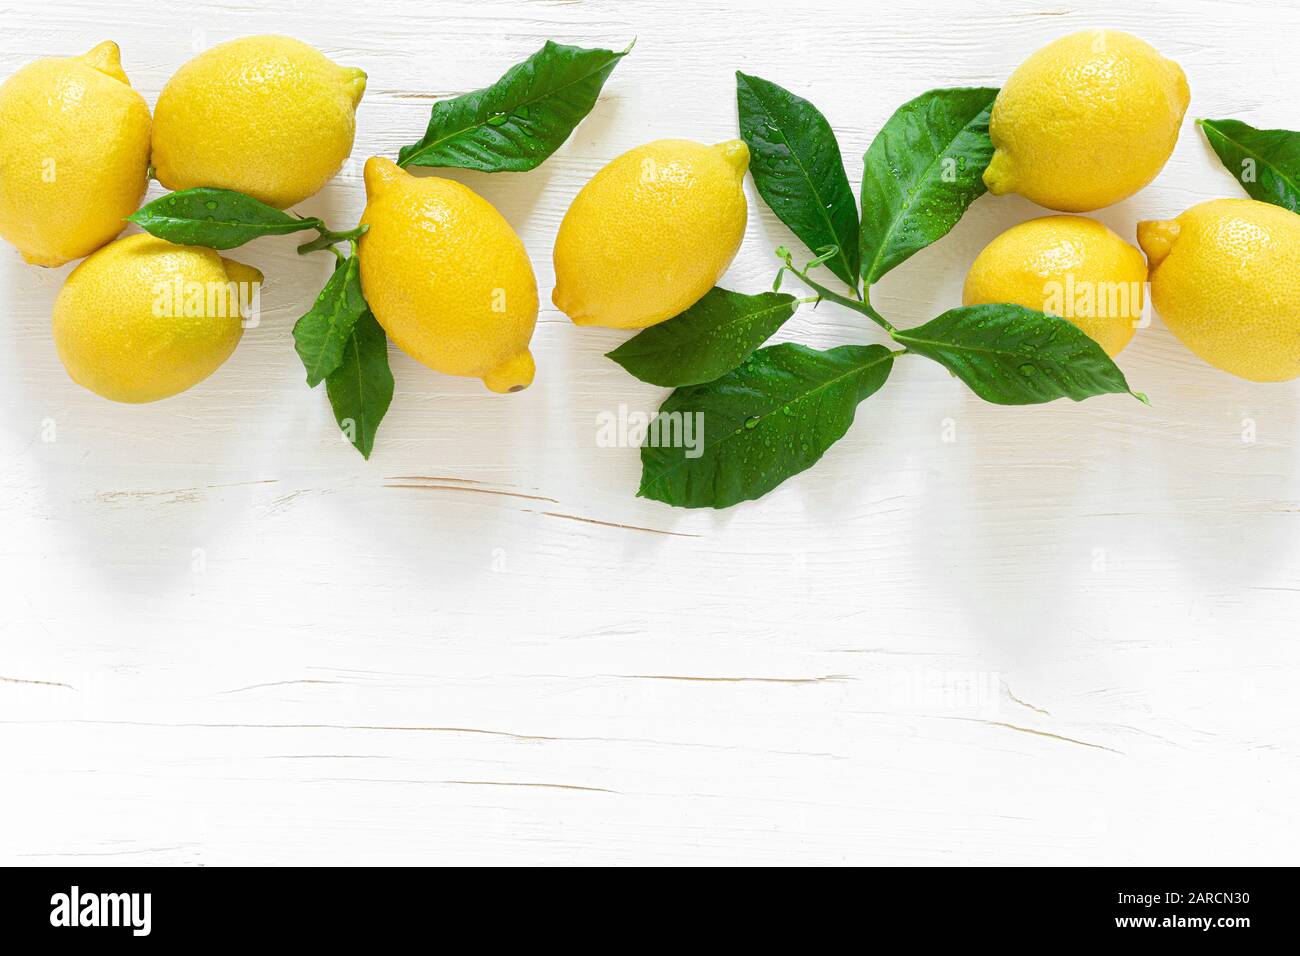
{"x":1223,"y":278}
{"x":447,"y":277}
{"x":1086,"y":121}
{"x":265,"y":115}
{"x":143,"y":319}
{"x":1068,"y":266}
{"x":74,"y":155}
{"x":651,"y":233}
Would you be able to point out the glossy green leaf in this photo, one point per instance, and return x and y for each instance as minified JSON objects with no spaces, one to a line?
{"x":707,"y":340}
{"x":921,"y":172}
{"x":521,"y":119}
{"x":1265,"y":161}
{"x":1011,"y":355}
{"x":737,"y":438}
{"x":361,"y":388}
{"x":216,"y":218}
{"x":795,"y":161}
{"x":320,"y":335}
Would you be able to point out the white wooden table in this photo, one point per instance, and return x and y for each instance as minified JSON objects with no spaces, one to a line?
{"x":1069,"y":635}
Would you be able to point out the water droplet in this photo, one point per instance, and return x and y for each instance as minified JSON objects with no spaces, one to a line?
{"x":211,"y":204}
{"x":498,"y":119}
{"x":751,"y":422}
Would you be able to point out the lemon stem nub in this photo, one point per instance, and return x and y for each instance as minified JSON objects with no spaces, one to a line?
{"x":1157,"y":237}
{"x":513,"y":375}
{"x":107,"y":59}
{"x":355,"y":80}
{"x":735,"y":153}
{"x":379,"y":174}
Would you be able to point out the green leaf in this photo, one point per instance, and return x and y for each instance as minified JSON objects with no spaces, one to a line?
{"x":521,"y":119}
{"x":1010,"y":355}
{"x":361,"y":388}
{"x":1265,"y":161}
{"x":709,"y":339}
{"x":319,"y":336}
{"x":216,"y":218}
{"x":922,"y":171}
{"x":795,"y":161}
{"x":756,"y":426}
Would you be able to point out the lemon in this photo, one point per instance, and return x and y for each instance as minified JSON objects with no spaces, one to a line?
{"x":1223,"y":277}
{"x":74,"y":155}
{"x":143,"y":319}
{"x":1068,"y":266}
{"x":1086,"y":121}
{"x":651,"y":233}
{"x":447,"y":277}
{"x":265,"y":115}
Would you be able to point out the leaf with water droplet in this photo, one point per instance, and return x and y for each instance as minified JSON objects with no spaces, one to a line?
{"x":922,"y":171}
{"x":709,"y":339}
{"x":1011,"y":355}
{"x":521,"y":119}
{"x":795,"y":161}
{"x":321,"y":335}
{"x":744,"y":444}
{"x":216,"y":218}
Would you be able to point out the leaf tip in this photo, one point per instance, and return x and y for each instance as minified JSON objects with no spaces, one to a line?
{"x":1141,"y":397}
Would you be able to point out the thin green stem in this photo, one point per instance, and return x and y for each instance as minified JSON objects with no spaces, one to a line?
{"x":328,"y":237}
{"x":877,"y":317}
{"x":861,"y":306}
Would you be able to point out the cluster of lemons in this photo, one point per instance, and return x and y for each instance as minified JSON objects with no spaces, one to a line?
{"x":1083,"y":123}
{"x":141,"y":318}
{"x":1086,"y":122}
{"x":441,"y":270}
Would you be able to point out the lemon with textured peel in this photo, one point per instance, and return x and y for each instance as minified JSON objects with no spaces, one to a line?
{"x":1068,"y":266}
{"x":266,"y":115}
{"x":1086,"y":121}
{"x":651,"y":233}
{"x":74,"y":154}
{"x":447,"y":277}
{"x":1223,"y":278}
{"x":143,"y":319}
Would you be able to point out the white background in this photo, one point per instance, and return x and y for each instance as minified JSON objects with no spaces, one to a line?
{"x":1068,"y":636}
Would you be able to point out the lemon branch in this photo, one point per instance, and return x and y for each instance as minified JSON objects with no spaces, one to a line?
{"x":861,"y":306}
{"x":329,"y":237}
